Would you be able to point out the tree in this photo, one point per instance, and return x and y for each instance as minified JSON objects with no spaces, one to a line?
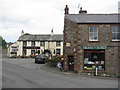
{"x":3,"y":43}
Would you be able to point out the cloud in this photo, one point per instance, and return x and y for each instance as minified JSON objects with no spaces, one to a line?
{"x":39,"y":16}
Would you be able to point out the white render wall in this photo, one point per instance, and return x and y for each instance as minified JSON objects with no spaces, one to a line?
{"x":9,"y":49}
{"x":20,"y":48}
{"x":48,"y":45}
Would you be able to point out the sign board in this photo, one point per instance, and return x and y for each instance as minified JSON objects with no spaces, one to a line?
{"x":68,"y":44}
{"x":93,"y":47}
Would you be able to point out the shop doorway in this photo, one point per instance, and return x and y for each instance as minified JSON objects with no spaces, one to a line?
{"x":71,"y":63}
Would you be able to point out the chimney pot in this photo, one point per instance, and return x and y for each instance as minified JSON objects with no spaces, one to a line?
{"x":82,"y":11}
{"x":52,"y":32}
{"x":66,"y":10}
{"x":22,"y":33}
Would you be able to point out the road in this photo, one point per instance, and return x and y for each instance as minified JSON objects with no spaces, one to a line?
{"x":24,"y":73}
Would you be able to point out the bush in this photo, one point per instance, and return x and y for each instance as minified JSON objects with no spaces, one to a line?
{"x":53,"y":61}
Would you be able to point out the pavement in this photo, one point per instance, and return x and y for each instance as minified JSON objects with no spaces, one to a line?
{"x":71,"y":73}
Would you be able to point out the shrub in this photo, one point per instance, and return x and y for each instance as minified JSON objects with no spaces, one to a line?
{"x":53,"y":61}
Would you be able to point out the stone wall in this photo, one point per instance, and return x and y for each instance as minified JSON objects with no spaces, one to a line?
{"x":78,"y":35}
{"x":70,"y":36}
{"x":104,"y":35}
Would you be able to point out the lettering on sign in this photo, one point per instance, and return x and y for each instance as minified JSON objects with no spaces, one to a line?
{"x":93,"y":47}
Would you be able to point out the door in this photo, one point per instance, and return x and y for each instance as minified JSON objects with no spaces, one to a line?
{"x":71,"y":63}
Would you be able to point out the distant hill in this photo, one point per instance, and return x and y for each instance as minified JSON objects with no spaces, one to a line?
{"x":3,"y":43}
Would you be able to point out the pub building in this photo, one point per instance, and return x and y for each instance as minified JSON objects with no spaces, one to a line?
{"x":91,"y":41}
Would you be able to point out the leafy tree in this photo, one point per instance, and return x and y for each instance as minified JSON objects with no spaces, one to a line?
{"x":3,"y":43}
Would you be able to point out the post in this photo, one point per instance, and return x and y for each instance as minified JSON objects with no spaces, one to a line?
{"x":96,"y":71}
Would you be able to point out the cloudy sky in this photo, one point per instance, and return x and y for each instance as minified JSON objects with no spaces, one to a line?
{"x":40,"y":16}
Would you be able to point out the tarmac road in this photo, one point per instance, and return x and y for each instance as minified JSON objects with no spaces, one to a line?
{"x":19,"y":73}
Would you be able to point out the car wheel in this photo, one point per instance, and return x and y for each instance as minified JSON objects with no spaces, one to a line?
{"x":35,"y":61}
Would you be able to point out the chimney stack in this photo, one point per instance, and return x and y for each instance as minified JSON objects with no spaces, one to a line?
{"x":52,"y":32}
{"x":82,"y":11}
{"x":22,"y":33}
{"x":66,"y":10}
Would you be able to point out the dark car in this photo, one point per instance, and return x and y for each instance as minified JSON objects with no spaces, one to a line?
{"x":40,"y":58}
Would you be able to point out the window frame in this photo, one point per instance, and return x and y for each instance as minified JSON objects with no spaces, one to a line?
{"x":33,"y":52}
{"x":94,"y":33}
{"x":58,"y":51}
{"x":14,"y":49}
{"x":89,"y":54}
{"x":24,"y":52}
{"x":114,"y":32}
{"x":58,"y":43}
{"x":24,"y":43}
{"x":32,"y":43}
{"x":42,"y":43}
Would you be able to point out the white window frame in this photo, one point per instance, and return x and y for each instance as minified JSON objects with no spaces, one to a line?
{"x":25,"y":43}
{"x":32,"y":43}
{"x":116,"y":32}
{"x":93,"y":33}
{"x":58,"y":51}
{"x":58,"y":43}
{"x":14,"y":49}
{"x":42,"y":43}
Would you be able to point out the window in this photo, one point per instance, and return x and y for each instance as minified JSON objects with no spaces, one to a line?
{"x":33,"y":43}
{"x":93,"y":33}
{"x":24,"y":52}
{"x":24,"y":43}
{"x":32,"y":52}
{"x":115,"y":33}
{"x":58,"y":51}
{"x":93,"y":59}
{"x":58,"y":43}
{"x":14,"y":49}
{"x":42,"y":43}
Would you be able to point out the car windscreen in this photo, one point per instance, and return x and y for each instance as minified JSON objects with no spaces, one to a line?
{"x":40,"y":56}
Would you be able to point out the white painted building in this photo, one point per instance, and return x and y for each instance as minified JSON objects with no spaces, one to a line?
{"x":32,"y":44}
{"x":119,"y":7}
{"x":12,"y":49}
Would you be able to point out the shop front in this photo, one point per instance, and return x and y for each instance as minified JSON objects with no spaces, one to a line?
{"x":94,"y":58}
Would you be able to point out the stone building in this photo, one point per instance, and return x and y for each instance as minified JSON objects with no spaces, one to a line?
{"x":91,"y":42}
{"x":33,"y":44}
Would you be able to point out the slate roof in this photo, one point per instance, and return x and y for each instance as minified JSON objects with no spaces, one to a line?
{"x":93,"y":18}
{"x":41,"y":37}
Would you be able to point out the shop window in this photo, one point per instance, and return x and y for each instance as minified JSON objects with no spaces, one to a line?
{"x":93,"y":59}
{"x":93,"y":33}
{"x":115,"y":33}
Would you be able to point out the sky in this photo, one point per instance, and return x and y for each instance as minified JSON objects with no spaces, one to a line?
{"x":41,"y":16}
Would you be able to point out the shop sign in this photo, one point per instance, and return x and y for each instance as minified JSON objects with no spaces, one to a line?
{"x":68,"y":44}
{"x":93,"y":47}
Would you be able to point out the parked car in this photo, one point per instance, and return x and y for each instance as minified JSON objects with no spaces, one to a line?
{"x":32,"y":56}
{"x":40,"y":58}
